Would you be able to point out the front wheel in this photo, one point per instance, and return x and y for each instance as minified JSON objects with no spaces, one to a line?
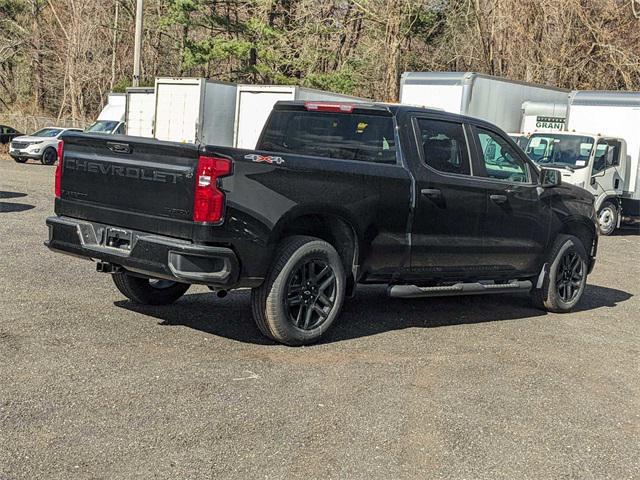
{"x":20,"y":159}
{"x":565,"y":283}
{"x":149,"y":291}
{"x":607,"y":218}
{"x":303,"y":293}
{"x":49,"y":156}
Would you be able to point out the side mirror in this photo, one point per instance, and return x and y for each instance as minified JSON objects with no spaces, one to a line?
{"x":550,"y":177}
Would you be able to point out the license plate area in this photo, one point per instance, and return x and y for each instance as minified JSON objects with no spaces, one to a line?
{"x":118,"y":238}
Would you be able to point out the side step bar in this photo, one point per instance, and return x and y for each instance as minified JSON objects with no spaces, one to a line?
{"x":412,"y":291}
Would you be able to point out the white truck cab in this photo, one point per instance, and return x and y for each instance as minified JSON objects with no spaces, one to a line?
{"x":594,"y":162}
{"x":111,"y":118}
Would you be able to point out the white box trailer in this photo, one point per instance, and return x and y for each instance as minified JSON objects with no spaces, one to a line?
{"x":195,"y":110}
{"x":490,"y":98}
{"x":543,"y":117}
{"x":613,"y":114}
{"x":140,"y":112}
{"x":255,"y":102}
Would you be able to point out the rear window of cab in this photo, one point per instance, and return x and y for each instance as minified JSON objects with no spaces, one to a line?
{"x":345,"y":136}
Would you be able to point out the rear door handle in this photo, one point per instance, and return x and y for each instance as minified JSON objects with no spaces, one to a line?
{"x":498,"y":198}
{"x":431,"y":192}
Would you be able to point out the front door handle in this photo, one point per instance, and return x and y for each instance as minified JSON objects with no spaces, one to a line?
{"x":431,"y":193}
{"x":498,"y":198}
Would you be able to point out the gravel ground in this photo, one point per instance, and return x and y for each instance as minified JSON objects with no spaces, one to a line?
{"x":92,"y":386}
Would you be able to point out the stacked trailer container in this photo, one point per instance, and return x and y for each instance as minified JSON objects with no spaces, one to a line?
{"x":490,"y":98}
{"x":255,"y":102}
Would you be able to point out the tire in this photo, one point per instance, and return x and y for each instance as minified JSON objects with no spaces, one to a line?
{"x":20,"y":159}
{"x":49,"y":156}
{"x":564,"y":285}
{"x":303,"y":293}
{"x":607,"y":218}
{"x":149,"y":291}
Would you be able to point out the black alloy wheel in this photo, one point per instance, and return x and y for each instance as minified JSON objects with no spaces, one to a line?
{"x":311,"y":294}
{"x":49,"y":156}
{"x":569,"y":279}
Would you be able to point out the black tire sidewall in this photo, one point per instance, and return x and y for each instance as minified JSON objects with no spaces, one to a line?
{"x":44,"y":156}
{"x":19,"y":159}
{"x":276,"y":315}
{"x":553,"y":300}
{"x":139,"y":290}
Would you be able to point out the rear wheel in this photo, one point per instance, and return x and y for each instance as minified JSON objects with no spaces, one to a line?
{"x":565,"y":283}
{"x":149,"y":291}
{"x":607,"y":218}
{"x":303,"y":293}
{"x":49,"y":156}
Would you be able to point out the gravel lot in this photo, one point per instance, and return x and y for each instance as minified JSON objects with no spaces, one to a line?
{"x":92,"y":386}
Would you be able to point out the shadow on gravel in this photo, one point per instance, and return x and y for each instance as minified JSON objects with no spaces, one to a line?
{"x":4,"y":194}
{"x":626,"y":231}
{"x":6,"y":207}
{"x":372,"y":312}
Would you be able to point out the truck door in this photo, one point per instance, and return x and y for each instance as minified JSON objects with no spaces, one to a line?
{"x":446,"y":235}
{"x":606,"y":171}
{"x":517,"y":221}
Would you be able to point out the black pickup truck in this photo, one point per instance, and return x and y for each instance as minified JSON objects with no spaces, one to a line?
{"x":336,"y":194}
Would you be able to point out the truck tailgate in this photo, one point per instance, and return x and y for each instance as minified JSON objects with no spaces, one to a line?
{"x":130,"y":182}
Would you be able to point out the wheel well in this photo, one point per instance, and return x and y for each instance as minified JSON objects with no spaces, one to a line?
{"x":583,"y":232}
{"x":331,"y":229}
{"x":614,"y":200}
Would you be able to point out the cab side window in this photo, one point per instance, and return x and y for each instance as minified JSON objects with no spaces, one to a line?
{"x":500,"y":159}
{"x":444,"y":146}
{"x":607,"y":155}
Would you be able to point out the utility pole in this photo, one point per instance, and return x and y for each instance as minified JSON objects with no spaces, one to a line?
{"x":137,"y":48}
{"x":115,"y":47}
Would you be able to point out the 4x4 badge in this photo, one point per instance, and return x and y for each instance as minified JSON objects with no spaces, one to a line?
{"x":264,"y":158}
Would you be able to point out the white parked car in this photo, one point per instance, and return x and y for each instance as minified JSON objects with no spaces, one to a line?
{"x":41,"y":145}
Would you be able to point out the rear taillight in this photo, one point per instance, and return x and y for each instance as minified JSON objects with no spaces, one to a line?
{"x":58,"y":186}
{"x":208,"y":203}
{"x":329,"y":107}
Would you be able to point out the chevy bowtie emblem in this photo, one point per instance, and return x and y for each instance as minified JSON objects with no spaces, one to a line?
{"x":264,"y":159}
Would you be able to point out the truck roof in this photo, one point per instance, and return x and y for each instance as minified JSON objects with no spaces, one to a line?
{"x":605,"y":98}
{"x":462,"y":78}
{"x":380,"y":108}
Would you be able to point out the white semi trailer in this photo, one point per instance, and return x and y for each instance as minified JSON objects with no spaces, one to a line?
{"x":255,"y":102}
{"x":490,"y":98}
{"x":140,"y":111}
{"x":194,"y":110}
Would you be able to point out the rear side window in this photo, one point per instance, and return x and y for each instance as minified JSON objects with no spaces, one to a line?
{"x":444,"y":145}
{"x":346,"y":136}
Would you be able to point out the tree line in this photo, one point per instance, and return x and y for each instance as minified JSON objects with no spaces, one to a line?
{"x":61,"y":57}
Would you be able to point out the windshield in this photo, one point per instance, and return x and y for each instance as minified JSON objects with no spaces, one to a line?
{"x":47,"y":132}
{"x":520,"y":140}
{"x":572,"y":151}
{"x":103,"y":126}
